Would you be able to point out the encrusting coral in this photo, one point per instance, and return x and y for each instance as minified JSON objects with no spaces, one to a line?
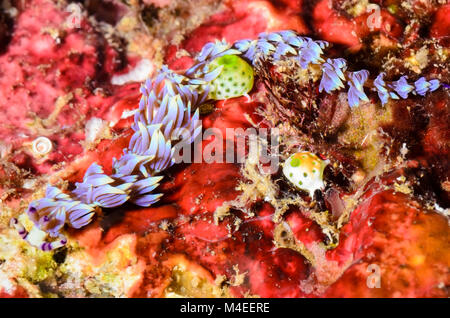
{"x":165,"y":115}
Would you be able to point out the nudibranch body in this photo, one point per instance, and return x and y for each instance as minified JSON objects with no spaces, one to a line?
{"x":305,"y":171}
{"x":235,"y":79}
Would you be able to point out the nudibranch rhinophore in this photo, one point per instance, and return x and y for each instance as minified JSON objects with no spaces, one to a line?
{"x":305,"y":171}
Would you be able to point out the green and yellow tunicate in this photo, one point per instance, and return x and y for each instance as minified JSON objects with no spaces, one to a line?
{"x":236,"y":78}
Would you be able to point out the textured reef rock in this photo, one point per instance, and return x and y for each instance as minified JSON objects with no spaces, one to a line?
{"x":225,"y":229}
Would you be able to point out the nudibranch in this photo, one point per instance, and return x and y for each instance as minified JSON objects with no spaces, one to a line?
{"x":305,"y":171}
{"x":235,"y":79}
{"x":170,"y":105}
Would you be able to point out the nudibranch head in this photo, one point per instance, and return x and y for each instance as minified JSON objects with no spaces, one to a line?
{"x":305,"y":171}
{"x":235,"y":79}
